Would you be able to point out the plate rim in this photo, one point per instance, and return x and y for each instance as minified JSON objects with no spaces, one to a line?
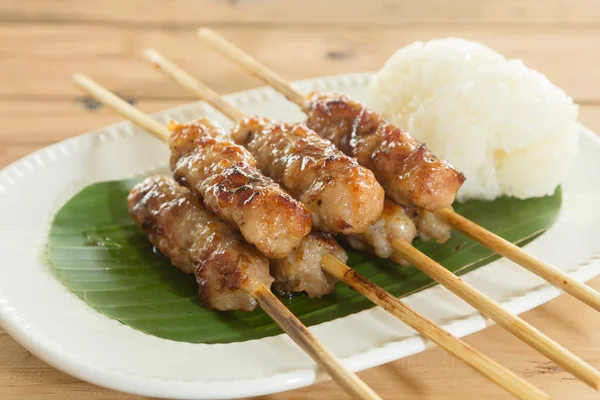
{"x":155,"y":386}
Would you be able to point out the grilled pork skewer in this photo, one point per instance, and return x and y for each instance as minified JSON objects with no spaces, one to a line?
{"x":227,"y":269}
{"x":224,"y":165}
{"x":494,"y":242}
{"x":231,"y":274}
{"x":225,"y":176}
{"x":409,"y":172}
{"x":489,"y":368}
{"x":404,"y":250}
{"x":343,"y":196}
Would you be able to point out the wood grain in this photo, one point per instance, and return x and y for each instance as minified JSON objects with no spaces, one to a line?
{"x":42,"y":43}
{"x":57,"y":120}
{"x":431,"y":375}
{"x":289,"y":323}
{"x":48,"y":55}
{"x":176,"y":14}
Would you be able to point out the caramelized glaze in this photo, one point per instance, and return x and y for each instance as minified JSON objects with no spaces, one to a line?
{"x":225,"y":176}
{"x":226,"y":268}
{"x":410,"y":174}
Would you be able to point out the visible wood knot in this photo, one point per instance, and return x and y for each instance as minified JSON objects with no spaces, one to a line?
{"x":92,"y":104}
{"x":547,"y":367}
{"x":338,"y":55}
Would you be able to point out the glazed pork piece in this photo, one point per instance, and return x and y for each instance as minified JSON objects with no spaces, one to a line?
{"x":403,"y":223}
{"x":430,"y":226}
{"x":225,"y":176}
{"x":302,"y":269}
{"x":394,"y":223}
{"x":227,"y":269}
{"x":410,"y":174}
{"x":343,"y":196}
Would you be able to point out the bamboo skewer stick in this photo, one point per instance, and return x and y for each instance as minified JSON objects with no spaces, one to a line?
{"x":185,"y":80}
{"x":300,"y":334}
{"x":512,"y":323}
{"x":251,"y":65}
{"x":472,"y":357}
{"x":308,"y":342}
{"x":338,"y":269}
{"x":488,"y":239}
{"x":505,"y":248}
{"x":476,"y":299}
{"x":123,"y":108}
{"x":201,"y":91}
{"x":291,"y":325}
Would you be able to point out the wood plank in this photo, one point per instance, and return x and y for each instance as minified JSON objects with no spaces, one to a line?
{"x":177,"y":13}
{"x":10,"y":153}
{"x":42,"y":43}
{"x":39,"y":59}
{"x":433,"y":374}
{"x":58,"y":120}
{"x":589,"y":115}
{"x":437,"y":375}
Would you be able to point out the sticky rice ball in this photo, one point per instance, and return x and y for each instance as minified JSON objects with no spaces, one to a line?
{"x":505,"y":126}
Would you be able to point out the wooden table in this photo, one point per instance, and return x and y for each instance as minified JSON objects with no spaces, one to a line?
{"x":43,"y":42}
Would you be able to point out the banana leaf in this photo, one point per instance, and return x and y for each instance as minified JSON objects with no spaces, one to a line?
{"x":102,"y":256}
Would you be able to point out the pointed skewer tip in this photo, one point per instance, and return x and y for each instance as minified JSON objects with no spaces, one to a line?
{"x":204,"y":32}
{"x":151,"y":53}
{"x":79,"y":77}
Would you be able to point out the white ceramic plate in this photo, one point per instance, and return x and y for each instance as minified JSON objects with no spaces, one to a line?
{"x":53,"y":323}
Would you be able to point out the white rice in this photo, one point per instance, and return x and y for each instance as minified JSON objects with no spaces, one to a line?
{"x":505,"y":126}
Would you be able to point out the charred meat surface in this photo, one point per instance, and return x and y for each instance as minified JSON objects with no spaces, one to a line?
{"x":226,"y":268}
{"x":342,"y":195}
{"x":225,"y":176}
{"x":410,"y":174}
{"x":302,"y":269}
